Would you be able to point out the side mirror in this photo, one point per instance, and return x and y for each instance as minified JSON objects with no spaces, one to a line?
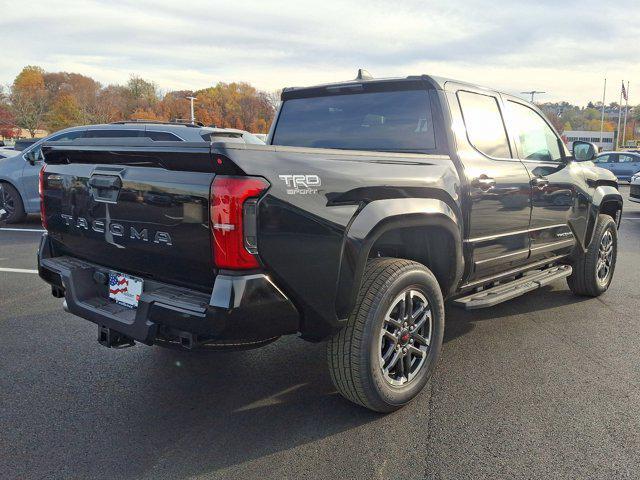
{"x":33,"y":156}
{"x":584,"y":151}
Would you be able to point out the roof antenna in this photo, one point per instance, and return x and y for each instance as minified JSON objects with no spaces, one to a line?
{"x":364,"y":75}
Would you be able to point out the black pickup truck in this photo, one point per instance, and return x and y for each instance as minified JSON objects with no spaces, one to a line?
{"x":373,"y":202}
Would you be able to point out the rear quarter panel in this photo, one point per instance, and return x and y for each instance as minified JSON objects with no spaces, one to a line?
{"x":302,"y":227}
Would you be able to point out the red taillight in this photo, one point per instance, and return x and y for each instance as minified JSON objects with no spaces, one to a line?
{"x":43,"y":214}
{"x":233,"y":235}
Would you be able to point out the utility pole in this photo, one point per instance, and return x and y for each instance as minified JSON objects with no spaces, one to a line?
{"x":532,"y":93}
{"x":626,"y":110}
{"x":193,"y":117}
{"x":604,"y":93}
{"x":619,"y":118}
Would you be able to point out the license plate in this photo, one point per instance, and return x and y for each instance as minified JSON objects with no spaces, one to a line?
{"x":125,"y":289}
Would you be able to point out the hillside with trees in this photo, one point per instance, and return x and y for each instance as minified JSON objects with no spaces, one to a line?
{"x":565,"y":116}
{"x":40,"y":100}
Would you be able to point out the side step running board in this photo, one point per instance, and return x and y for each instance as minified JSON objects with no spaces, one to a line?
{"x":531,"y":280}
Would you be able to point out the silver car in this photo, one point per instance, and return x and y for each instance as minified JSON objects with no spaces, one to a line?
{"x":634,"y":189}
{"x":19,"y":172}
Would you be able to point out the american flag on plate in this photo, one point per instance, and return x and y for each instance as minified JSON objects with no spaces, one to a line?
{"x":118,"y":284}
{"x":125,"y":289}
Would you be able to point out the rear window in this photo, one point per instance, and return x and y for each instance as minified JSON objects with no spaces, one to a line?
{"x":386,"y":121}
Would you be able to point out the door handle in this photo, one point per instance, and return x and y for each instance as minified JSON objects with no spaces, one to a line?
{"x":539,"y":182}
{"x":483,"y":182}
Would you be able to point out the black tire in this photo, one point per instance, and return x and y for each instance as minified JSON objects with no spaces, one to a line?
{"x":355,"y":353}
{"x":586,"y":277}
{"x":11,"y":202}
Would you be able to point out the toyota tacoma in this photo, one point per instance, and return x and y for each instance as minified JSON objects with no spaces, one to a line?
{"x":373,"y":202}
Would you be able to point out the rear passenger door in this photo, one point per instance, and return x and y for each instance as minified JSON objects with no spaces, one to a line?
{"x":497,"y":201}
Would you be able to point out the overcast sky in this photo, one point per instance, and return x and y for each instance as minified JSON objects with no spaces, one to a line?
{"x":564,"y":47}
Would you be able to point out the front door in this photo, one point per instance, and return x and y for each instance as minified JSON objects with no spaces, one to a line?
{"x":497,"y":204}
{"x":554,"y":190}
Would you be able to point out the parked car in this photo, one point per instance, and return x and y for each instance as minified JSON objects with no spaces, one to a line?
{"x":634,"y":189}
{"x":375,"y":201}
{"x":622,"y":164}
{"x":19,"y":171}
{"x":8,"y":151}
{"x":24,"y":143}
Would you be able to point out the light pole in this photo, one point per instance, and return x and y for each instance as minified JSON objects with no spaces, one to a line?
{"x":193,"y":116}
{"x":532,"y":93}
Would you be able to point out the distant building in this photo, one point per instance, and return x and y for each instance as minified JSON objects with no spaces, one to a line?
{"x":570,"y":136}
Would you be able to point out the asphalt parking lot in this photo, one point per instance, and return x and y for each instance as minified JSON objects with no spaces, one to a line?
{"x":544,"y":386}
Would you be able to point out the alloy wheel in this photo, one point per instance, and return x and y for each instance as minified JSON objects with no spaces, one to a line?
{"x":605,"y":258}
{"x":7,"y":202}
{"x":405,"y":337}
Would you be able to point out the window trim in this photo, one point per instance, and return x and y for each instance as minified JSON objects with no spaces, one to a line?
{"x":516,"y":138}
{"x":498,"y":101}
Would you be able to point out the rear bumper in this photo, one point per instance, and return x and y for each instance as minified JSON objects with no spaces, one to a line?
{"x":242,"y":309}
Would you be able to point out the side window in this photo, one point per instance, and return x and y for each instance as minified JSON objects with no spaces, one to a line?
{"x":110,"y":133}
{"x":485,"y":127}
{"x":603,"y":159}
{"x":626,"y":159}
{"x":614,"y":158}
{"x":67,"y":136}
{"x":536,"y":139}
{"x":37,"y":151}
{"x":162,"y":136}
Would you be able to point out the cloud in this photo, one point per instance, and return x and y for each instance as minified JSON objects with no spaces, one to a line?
{"x":564,"y":48}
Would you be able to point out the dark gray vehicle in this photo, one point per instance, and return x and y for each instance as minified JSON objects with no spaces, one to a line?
{"x":373,"y":203}
{"x":19,"y":172}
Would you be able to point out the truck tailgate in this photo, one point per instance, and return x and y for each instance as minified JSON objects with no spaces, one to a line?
{"x":132,"y":210}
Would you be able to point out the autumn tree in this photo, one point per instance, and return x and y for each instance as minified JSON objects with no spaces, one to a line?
{"x":111,"y":104}
{"x":175,"y":105}
{"x":234,"y":105}
{"x":141,"y":93}
{"x":7,"y":122}
{"x":83,"y":89}
{"x":65,"y":113}
{"x":146,"y":114}
{"x":29,"y":100}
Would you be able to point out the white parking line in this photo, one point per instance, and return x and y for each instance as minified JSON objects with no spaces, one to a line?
{"x":17,"y":270}
{"x":23,"y":229}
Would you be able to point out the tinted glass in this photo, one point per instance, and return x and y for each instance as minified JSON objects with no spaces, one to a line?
{"x":220,"y":136}
{"x":626,"y":159}
{"x":162,"y":137}
{"x":603,"y":159}
{"x":536,"y":139}
{"x":483,"y":120}
{"x":386,"y":121}
{"x":67,"y":136}
{"x":114,"y":133}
